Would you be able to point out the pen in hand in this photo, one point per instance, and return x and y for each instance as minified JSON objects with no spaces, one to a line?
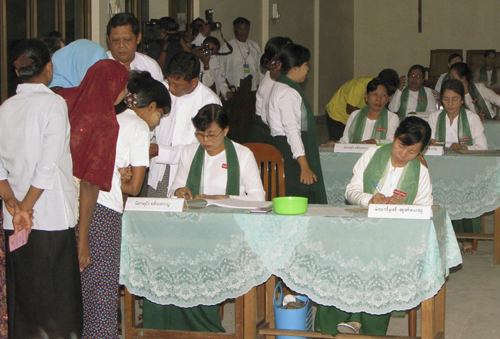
{"x":376,"y":187}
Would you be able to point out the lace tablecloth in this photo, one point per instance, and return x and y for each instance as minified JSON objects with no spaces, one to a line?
{"x":355,"y":263}
{"x":466,"y":185}
{"x":492,"y":132}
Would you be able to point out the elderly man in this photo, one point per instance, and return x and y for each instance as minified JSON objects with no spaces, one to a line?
{"x":123,"y":37}
{"x":239,"y":77}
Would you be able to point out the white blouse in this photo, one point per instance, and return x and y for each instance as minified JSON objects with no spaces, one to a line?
{"x":285,"y":114}
{"x":488,"y":95}
{"x":392,"y":125}
{"x":263,"y":96}
{"x":355,"y":194}
{"x":413,"y":101}
{"x":214,"y":173}
{"x":476,"y":130}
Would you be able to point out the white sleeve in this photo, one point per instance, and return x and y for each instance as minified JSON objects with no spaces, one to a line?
{"x":439,"y":83}
{"x":345,"y":136}
{"x":250,"y":178}
{"x":489,"y":95}
{"x":477,"y":131}
{"x":139,"y":151}
{"x":396,"y":101}
{"x":392,"y":125}
{"x":431,"y":101}
{"x":291,"y":114}
{"x":182,"y":172}
{"x":221,"y":74}
{"x":354,"y":192}
{"x":208,"y":77}
{"x":55,"y":126}
{"x":424,"y":194}
{"x":432,"y":122}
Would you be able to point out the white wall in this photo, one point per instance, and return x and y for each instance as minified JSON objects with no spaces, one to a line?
{"x":386,"y":31}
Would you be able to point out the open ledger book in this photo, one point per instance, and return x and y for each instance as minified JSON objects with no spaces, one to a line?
{"x":228,"y":203}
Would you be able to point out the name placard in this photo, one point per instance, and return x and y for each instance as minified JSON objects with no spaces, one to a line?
{"x":399,"y":211}
{"x":155,"y":204}
{"x":434,"y":150}
{"x":353,"y":148}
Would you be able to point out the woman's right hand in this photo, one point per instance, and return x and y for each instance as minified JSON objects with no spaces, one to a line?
{"x":378,"y":199}
{"x":330,"y":143}
{"x":433,"y":142}
{"x":402,"y":82}
{"x":183,"y":192}
{"x":307,"y":176}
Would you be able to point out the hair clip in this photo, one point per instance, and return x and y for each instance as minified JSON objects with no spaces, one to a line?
{"x":22,"y":61}
{"x":130,"y":100}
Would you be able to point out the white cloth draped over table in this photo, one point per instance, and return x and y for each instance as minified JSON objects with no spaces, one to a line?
{"x":354,"y":263}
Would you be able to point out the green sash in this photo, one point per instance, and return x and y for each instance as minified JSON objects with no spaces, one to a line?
{"x":483,"y":76}
{"x":358,"y":126}
{"x":464,"y":134}
{"x":233,"y":170}
{"x":378,"y":167}
{"x":421,"y":101}
{"x":310,"y":140}
{"x":478,"y":101}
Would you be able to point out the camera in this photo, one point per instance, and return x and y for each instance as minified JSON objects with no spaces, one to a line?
{"x":206,"y":51}
{"x":209,"y":16}
{"x":153,"y":28}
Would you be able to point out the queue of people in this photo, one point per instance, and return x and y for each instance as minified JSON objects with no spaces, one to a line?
{"x":85,"y":126}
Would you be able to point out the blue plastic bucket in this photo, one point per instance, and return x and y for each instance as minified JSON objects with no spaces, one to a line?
{"x":289,"y":319}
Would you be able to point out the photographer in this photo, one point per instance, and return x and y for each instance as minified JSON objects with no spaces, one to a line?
{"x":209,"y":62}
{"x":199,"y":31}
{"x":168,"y":44}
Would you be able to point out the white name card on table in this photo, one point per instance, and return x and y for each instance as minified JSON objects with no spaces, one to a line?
{"x":155,"y":204}
{"x":399,"y":211}
{"x":353,"y":148}
{"x":434,"y":150}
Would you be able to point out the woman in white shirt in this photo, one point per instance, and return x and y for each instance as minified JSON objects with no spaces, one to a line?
{"x":39,"y":194}
{"x":414,"y":98}
{"x":478,"y":98}
{"x":488,"y":74}
{"x":459,"y":129}
{"x":269,"y":61}
{"x":293,"y":128}
{"x":392,"y":174}
{"x":455,"y":126}
{"x":216,"y":168}
{"x":452,"y":59}
{"x":372,"y":124}
{"x":147,"y":100}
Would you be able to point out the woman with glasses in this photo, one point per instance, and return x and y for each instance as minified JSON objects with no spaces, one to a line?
{"x":414,"y":98}
{"x":372,"y":124}
{"x":459,"y":129}
{"x":216,"y":168}
{"x":478,"y":98}
{"x":293,"y":128}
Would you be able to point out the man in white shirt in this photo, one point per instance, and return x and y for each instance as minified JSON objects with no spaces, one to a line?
{"x":238,"y":79}
{"x":176,"y":130}
{"x":124,"y":35}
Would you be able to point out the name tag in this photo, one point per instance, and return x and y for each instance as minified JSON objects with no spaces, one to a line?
{"x":224,"y":166}
{"x":380,"y":129}
{"x":422,"y":99}
{"x":464,"y":139}
{"x":246,"y":68}
{"x":353,"y":148}
{"x":401,"y":193}
{"x":155,"y":204}
{"x":434,"y":150}
{"x":399,"y":211}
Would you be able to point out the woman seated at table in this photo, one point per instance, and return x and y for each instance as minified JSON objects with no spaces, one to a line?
{"x":402,"y":179}
{"x":478,"y":98}
{"x":488,"y":74}
{"x":459,"y":129}
{"x":217,"y":168}
{"x":414,"y":98}
{"x":372,"y":124}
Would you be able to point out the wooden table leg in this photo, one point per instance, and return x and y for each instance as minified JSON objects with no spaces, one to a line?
{"x":129,"y":314}
{"x":433,"y":312}
{"x":250,"y":314}
{"x":496,"y":239}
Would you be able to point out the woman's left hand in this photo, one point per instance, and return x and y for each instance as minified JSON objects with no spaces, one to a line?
{"x":396,"y":199}
{"x":457,"y":147}
{"x":125,"y":173}
{"x":216,"y":197}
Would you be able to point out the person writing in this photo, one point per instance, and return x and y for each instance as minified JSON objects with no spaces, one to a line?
{"x":402,"y":179}
{"x":372,"y":124}
{"x":216,"y":168}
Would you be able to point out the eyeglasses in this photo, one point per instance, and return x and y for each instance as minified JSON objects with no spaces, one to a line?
{"x":209,"y":136}
{"x":375,"y":95}
{"x":418,"y":76}
{"x":451,"y":101}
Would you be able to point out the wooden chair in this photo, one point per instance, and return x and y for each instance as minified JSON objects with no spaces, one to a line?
{"x":475,"y":59}
{"x":271,"y":167}
{"x":439,"y":64}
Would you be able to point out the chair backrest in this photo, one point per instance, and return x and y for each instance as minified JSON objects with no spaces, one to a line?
{"x":439,"y":62}
{"x":271,"y":165}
